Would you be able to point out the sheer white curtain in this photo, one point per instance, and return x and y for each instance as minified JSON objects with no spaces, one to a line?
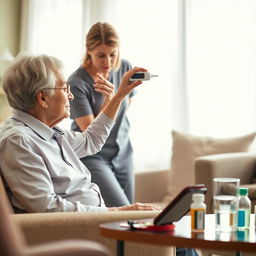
{"x":147,"y":31}
{"x":221,"y":66}
{"x":205,"y":54}
{"x":53,"y":27}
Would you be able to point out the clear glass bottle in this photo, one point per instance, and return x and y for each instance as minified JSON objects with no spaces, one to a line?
{"x":244,"y":209}
{"x":197,"y":212}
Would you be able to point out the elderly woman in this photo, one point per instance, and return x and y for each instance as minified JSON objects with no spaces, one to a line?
{"x":39,"y":161}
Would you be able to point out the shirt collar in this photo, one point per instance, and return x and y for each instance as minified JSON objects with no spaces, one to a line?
{"x":36,"y":125}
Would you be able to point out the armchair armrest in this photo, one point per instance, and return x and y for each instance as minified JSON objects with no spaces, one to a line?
{"x":151,"y":186}
{"x":235,"y":165}
{"x":45,"y":227}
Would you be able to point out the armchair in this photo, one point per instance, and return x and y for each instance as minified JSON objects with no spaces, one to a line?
{"x":40,"y":228}
{"x":12,"y":242}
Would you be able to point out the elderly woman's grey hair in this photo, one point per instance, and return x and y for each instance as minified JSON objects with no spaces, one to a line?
{"x":27,"y":76}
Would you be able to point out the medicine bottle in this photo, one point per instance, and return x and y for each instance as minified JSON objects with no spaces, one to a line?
{"x":244,"y":209}
{"x":197,"y":212}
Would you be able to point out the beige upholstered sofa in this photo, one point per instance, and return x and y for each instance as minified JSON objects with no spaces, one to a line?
{"x":151,"y":187}
{"x":44,"y":227}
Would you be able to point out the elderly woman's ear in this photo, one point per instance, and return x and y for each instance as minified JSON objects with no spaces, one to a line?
{"x":41,"y":99}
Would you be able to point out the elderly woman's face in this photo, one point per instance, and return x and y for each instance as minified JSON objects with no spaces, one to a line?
{"x":58,"y":104}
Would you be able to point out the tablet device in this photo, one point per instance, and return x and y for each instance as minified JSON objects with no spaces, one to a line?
{"x":179,"y":206}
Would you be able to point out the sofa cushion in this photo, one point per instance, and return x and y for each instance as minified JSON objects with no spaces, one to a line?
{"x":187,"y":147}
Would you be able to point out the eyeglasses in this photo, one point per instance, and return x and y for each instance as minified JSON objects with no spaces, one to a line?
{"x":65,"y":89}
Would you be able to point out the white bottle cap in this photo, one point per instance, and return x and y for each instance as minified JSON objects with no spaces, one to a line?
{"x":198,"y":197}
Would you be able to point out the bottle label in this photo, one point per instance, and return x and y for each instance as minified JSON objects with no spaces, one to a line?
{"x":241,"y":218}
{"x":197,"y":219}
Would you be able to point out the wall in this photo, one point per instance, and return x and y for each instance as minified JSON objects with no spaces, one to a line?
{"x":10,"y":25}
{"x":9,"y":39}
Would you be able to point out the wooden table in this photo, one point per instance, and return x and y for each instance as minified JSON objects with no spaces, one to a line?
{"x":182,"y":236}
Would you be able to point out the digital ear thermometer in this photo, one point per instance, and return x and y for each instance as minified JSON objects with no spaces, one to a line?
{"x":143,"y":76}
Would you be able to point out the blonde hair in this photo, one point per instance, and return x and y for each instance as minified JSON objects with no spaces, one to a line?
{"x":101,"y":33}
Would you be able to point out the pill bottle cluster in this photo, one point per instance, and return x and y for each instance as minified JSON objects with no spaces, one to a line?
{"x":241,"y":217}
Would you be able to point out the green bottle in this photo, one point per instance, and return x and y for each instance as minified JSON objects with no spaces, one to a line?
{"x":244,"y":209}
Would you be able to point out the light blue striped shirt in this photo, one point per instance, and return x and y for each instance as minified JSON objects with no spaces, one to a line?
{"x":44,"y":174}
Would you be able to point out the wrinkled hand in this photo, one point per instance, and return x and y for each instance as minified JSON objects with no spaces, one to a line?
{"x":127,"y":86}
{"x":103,"y":86}
{"x":137,"y":207}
